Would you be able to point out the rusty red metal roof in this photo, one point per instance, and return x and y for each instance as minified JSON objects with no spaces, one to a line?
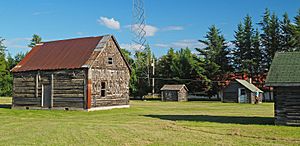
{"x":61,"y":54}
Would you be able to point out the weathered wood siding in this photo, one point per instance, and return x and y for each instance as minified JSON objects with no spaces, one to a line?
{"x":231,"y":93}
{"x":173,"y":95}
{"x":67,"y":88}
{"x":24,"y":89}
{"x":169,"y":95}
{"x":115,"y":76}
{"x":182,"y":95}
{"x":287,"y":105}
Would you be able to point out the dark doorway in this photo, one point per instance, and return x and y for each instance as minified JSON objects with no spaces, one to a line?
{"x":46,"y":96}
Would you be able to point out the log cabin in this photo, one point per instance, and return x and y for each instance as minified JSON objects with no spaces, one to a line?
{"x":241,"y":91}
{"x":174,"y":93}
{"x":88,"y":73}
{"x":284,"y":77}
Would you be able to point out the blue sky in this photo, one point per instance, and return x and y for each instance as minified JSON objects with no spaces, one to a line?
{"x":170,"y":23}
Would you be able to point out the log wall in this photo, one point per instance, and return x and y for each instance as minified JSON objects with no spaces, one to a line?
{"x":230,"y":93}
{"x":169,"y":95}
{"x":67,"y":88}
{"x":287,"y":105}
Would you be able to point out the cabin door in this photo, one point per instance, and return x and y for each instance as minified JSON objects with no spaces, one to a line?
{"x":46,"y":98}
{"x":242,"y":95}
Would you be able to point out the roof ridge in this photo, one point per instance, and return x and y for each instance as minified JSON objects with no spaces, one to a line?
{"x":74,"y":39}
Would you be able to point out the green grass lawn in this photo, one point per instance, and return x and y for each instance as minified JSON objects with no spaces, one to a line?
{"x":149,"y":123}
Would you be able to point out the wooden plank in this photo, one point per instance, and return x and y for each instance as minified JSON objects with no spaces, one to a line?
{"x":68,"y":95}
{"x":68,"y":87}
{"x":23,"y":95}
{"x":25,"y":84}
{"x":22,"y":91}
{"x":76,"y":99}
{"x":68,"y":92}
{"x":26,"y":101}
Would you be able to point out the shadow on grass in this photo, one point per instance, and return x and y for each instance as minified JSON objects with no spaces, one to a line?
{"x":218,"y":119}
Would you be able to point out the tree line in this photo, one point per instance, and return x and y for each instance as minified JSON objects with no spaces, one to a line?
{"x":207,"y":69}
{"x":7,"y":62}
{"x":201,"y":69}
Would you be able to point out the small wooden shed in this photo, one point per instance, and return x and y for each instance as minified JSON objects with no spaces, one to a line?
{"x":284,"y":77}
{"x":83,"y":73}
{"x":174,"y":93}
{"x":241,"y":91}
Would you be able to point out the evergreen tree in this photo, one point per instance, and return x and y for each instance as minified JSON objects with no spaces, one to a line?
{"x":286,"y":33}
{"x":257,"y":53}
{"x":2,"y":58}
{"x":216,"y":59}
{"x":5,"y":77}
{"x":248,"y":52}
{"x":180,"y":67}
{"x":133,"y":77}
{"x":216,"y":50}
{"x":296,"y":33}
{"x":36,"y":39}
{"x":239,"y":51}
{"x":270,"y":36}
{"x":141,"y":65}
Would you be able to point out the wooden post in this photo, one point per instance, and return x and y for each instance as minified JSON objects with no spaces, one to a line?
{"x":37,"y":85}
{"x":89,"y":94}
{"x":42,"y":98}
{"x":89,"y":89}
{"x":52,"y":90}
{"x":85,"y":91}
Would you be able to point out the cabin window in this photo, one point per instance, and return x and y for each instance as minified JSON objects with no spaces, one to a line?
{"x":243,"y":92}
{"x":103,"y":89}
{"x":110,"y":60}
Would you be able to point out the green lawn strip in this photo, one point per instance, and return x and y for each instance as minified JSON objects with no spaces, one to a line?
{"x":149,"y":123}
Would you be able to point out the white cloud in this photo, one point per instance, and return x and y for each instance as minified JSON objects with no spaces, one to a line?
{"x":149,"y":29}
{"x":110,"y":23}
{"x":132,"y":46}
{"x":20,"y":43}
{"x":190,"y":43}
{"x":173,"y":28}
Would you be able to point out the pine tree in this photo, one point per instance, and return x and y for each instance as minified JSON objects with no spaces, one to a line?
{"x":270,"y":36}
{"x":216,"y":50}
{"x":286,"y":33}
{"x":257,"y":53}
{"x":239,"y":50}
{"x":247,"y":62}
{"x":36,"y":39}
{"x":216,"y":59}
{"x":248,"y":52}
{"x":296,"y":33}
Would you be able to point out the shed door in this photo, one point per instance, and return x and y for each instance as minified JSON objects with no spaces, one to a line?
{"x":242,"y":95}
{"x":47,"y":96}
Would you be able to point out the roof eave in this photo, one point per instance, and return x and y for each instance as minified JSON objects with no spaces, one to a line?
{"x":282,"y":84}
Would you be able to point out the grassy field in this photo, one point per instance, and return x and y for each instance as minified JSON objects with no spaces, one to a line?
{"x":149,"y":123}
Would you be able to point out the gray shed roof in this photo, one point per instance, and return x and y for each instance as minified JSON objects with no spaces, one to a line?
{"x":248,"y":85}
{"x":174,"y":87}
